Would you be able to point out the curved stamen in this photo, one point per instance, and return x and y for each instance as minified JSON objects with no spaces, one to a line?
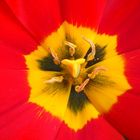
{"x":93,"y":49}
{"x":72,"y":47}
{"x":57,"y":79}
{"x":82,"y":86}
{"x":92,"y":75}
{"x":96,"y":71}
{"x":54,"y":55}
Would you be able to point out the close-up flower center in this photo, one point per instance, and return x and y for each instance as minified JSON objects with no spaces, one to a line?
{"x":74,"y":70}
{"x":69,"y":69}
{"x":72,"y":66}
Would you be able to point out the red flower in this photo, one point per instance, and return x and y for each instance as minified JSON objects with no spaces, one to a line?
{"x":106,"y":107}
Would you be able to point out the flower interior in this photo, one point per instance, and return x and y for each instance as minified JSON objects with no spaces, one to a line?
{"x":76,"y":72}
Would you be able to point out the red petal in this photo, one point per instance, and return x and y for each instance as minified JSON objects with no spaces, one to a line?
{"x":128,"y":34}
{"x":98,"y":129}
{"x":10,"y":59}
{"x":12,"y":34}
{"x":28,"y":122}
{"x":122,"y":17}
{"x":40,"y":17}
{"x":14,"y":89}
{"x":125,"y":115}
{"x":18,"y":119}
{"x":82,"y":12}
{"x":132,"y":70}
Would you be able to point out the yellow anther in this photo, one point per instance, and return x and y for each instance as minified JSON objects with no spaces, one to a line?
{"x":96,"y":71}
{"x":72,"y":47}
{"x":57,"y":79}
{"x":73,"y":66}
{"x":93,"y":49}
{"x":81,"y":87}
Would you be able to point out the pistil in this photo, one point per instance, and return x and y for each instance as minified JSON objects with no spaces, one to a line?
{"x":73,"y":66}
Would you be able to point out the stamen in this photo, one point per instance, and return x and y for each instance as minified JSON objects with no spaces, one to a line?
{"x":93,"y":51}
{"x":72,"y":47}
{"x":96,"y":71}
{"x":92,"y":75}
{"x":57,"y":79}
{"x":55,"y":57}
{"x":82,"y":86}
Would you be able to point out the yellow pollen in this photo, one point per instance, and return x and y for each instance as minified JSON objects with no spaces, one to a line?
{"x":73,"y":66}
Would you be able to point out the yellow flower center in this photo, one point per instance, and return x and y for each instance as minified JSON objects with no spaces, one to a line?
{"x":76,"y":74}
{"x":74,"y":69}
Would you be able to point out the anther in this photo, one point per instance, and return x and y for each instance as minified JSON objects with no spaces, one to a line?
{"x":96,"y":71}
{"x":92,"y":75}
{"x":55,"y":57}
{"x":57,"y":79}
{"x":93,"y":49}
{"x":81,"y":87}
{"x":72,"y":47}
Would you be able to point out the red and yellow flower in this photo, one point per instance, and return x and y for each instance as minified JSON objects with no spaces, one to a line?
{"x":69,"y":70}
